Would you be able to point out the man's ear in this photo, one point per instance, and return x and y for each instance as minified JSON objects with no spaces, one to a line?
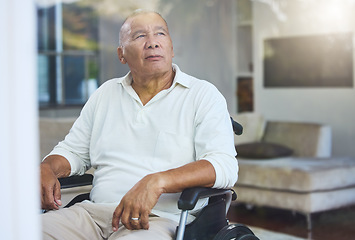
{"x":120,"y":55}
{"x":172,"y":50}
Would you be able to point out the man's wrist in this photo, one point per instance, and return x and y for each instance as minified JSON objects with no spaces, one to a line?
{"x":166,"y":182}
{"x":57,"y":164}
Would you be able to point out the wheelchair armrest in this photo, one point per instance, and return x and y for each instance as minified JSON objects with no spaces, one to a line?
{"x":76,"y":181}
{"x":237,"y":128}
{"x":190,"y":196}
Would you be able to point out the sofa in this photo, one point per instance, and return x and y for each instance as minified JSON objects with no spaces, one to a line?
{"x":288,"y":165}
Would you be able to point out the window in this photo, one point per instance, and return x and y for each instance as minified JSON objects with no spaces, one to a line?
{"x":68,"y":56}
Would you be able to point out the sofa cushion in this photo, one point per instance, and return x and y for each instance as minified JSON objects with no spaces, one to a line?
{"x":262,"y":150}
{"x":306,"y":139}
{"x":253,"y":127}
{"x":304,"y":202}
{"x":297,"y":174}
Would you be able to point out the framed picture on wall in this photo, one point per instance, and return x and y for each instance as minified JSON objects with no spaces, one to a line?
{"x":309,"y":61}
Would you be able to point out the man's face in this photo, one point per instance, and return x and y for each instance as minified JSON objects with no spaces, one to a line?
{"x":146,"y":45}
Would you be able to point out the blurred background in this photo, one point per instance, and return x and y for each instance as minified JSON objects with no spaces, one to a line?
{"x":288,"y":60}
{"x":285,"y":59}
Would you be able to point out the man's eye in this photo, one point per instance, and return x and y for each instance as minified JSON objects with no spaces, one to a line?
{"x":140,"y":36}
{"x":161,"y":33}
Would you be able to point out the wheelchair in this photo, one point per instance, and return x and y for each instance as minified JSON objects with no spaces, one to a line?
{"x":210,"y":223}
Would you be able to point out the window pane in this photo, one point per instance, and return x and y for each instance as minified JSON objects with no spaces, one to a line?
{"x":46,"y":28}
{"x":80,"y":78}
{"x":46,"y":72}
{"x":68,"y":53}
{"x":92,"y":82}
{"x":74,"y":78}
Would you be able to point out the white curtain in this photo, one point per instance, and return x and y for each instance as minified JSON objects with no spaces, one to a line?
{"x":19,"y":154}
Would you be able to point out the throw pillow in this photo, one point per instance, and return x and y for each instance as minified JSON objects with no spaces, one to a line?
{"x":262,"y":150}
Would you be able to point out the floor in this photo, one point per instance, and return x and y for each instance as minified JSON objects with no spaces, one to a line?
{"x":330,"y":225}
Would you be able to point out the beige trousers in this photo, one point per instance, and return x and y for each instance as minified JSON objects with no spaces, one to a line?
{"x":93,"y":221}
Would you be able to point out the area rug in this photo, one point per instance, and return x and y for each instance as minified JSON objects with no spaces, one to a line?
{"x":263,"y":234}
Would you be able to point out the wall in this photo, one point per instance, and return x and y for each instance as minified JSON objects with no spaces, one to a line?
{"x":333,"y":106}
{"x":60,"y":112}
{"x":205,"y":42}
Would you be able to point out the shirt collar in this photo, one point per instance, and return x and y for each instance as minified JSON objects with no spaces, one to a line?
{"x":178,"y":79}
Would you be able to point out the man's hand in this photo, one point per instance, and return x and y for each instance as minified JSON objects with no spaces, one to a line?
{"x":52,"y":168}
{"x":140,"y":200}
{"x":137,"y":204}
{"x":50,"y":188}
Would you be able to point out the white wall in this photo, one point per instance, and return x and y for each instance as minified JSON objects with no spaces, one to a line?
{"x":205,"y":42}
{"x":19,"y":146}
{"x":333,"y":106}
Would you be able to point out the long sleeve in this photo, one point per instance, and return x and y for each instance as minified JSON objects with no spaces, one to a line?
{"x":214,"y":140}
{"x":76,"y":145}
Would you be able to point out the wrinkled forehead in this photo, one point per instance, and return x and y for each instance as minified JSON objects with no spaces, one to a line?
{"x":140,"y":21}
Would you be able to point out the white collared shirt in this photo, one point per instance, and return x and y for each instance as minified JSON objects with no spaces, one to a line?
{"x":125,"y":140}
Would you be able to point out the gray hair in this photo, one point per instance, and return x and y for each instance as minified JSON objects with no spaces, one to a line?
{"x":136,"y":13}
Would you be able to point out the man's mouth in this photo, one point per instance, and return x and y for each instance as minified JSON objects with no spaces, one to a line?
{"x":153,"y":57}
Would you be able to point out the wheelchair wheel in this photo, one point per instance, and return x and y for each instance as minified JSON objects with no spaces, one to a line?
{"x":235,"y":232}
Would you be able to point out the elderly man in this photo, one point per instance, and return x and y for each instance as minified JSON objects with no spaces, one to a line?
{"x":149,"y":135}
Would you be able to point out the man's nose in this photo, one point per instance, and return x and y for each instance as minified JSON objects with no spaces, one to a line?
{"x":152,"y":43}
